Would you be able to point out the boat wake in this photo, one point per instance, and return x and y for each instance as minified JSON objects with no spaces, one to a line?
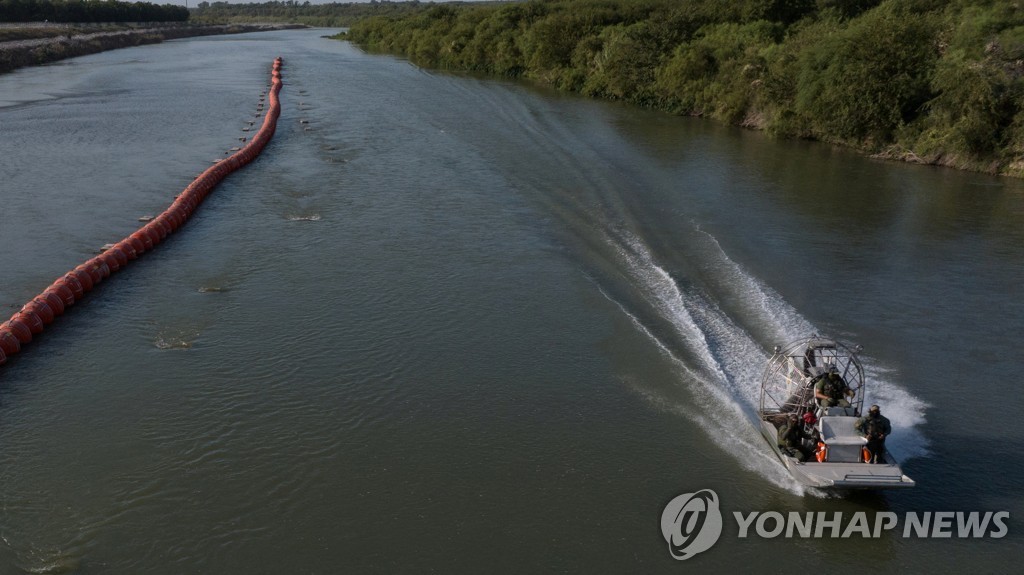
{"x":721,"y":363}
{"x":713,"y":320}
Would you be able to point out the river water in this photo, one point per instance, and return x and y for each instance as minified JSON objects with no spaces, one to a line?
{"x":451,"y":324}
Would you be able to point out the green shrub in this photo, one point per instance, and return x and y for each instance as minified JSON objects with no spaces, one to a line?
{"x":719,"y":72}
{"x":863,"y":83}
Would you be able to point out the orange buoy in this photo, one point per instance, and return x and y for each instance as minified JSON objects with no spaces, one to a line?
{"x":9,"y":342}
{"x":171,"y":219}
{"x":100,"y":266}
{"x":84,"y":279}
{"x":19,"y":329}
{"x":142,"y":238}
{"x":72,"y":281}
{"x":155,"y":233}
{"x":60,"y":289}
{"x":42,"y":309}
{"x":31,"y":319}
{"x":54,"y":301}
{"x":177,"y":216}
{"x":93,"y":271}
{"x":163,"y":225}
{"x":150,"y":235}
{"x":182,"y":207}
{"x":119,"y":256}
{"x":137,"y":244}
{"x":119,"y":253}
{"x":127,"y":249}
{"x":110,"y":261}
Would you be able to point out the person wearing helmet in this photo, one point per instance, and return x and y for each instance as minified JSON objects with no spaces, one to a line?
{"x":792,"y":436}
{"x":831,"y":389}
{"x":875,"y":427}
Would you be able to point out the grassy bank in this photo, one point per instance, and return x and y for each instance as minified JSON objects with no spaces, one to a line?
{"x":930,"y":81}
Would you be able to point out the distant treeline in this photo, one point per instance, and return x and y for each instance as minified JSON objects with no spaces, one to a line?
{"x":326,"y":15}
{"x":936,"y":81}
{"x":88,"y":11}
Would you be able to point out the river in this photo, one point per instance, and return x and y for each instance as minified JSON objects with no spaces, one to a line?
{"x":454,"y":324}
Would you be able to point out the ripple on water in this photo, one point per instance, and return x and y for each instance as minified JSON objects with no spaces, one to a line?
{"x":176,"y":339}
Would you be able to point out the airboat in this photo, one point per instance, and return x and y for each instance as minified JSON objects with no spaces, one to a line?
{"x":837,"y":455}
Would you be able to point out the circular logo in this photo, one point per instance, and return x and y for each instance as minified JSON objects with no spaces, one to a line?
{"x":691,"y":523}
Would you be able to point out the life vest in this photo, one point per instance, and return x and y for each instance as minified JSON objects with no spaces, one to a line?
{"x":822,"y":454}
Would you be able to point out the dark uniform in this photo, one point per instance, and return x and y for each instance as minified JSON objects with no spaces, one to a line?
{"x":875,"y":427}
{"x":834,"y":387}
{"x":791,"y":436}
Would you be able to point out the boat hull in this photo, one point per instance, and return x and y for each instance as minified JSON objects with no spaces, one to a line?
{"x":826,"y":475}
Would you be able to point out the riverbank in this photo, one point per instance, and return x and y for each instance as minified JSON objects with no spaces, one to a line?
{"x":924,"y":82}
{"x":36,"y":45}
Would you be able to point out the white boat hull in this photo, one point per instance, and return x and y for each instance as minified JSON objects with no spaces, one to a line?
{"x":826,"y":475}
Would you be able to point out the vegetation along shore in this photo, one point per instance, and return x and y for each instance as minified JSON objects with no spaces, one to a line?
{"x":928,"y":81}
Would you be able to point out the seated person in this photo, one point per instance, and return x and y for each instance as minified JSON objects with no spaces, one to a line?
{"x":875,"y":428}
{"x":791,"y":439}
{"x":831,"y":389}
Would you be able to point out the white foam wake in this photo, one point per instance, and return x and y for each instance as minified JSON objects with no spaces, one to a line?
{"x":726,"y":381}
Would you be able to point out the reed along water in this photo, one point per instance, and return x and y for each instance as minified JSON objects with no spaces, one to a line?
{"x":455,"y":324}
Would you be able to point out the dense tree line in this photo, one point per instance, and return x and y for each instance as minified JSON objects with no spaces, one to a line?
{"x":938,"y":81}
{"x":88,"y":11}
{"x":329,"y":15}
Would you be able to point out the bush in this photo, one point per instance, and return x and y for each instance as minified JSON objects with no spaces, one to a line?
{"x":862,"y":84}
{"x":719,"y":71}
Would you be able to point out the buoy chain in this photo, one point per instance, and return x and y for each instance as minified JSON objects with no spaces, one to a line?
{"x":70,"y":288}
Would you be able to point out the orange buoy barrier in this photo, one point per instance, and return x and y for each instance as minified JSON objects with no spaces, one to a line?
{"x":70,"y":288}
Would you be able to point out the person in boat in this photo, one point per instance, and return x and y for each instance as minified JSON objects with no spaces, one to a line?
{"x":831,"y":389}
{"x":791,"y":438}
{"x":875,"y":427}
